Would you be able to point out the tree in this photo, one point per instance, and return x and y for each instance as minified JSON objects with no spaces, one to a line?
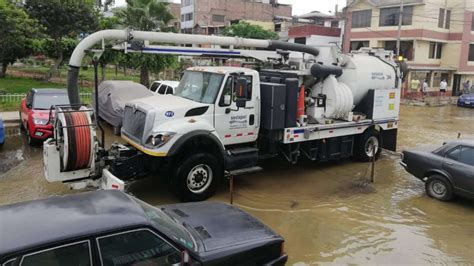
{"x":17,"y":33}
{"x":246,"y":30}
{"x":147,"y":15}
{"x":63,"y":19}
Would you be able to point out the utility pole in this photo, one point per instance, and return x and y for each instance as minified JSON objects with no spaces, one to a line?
{"x":400,"y":22}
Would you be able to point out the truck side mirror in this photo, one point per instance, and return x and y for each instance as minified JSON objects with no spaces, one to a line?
{"x":241,"y":89}
{"x":241,"y":92}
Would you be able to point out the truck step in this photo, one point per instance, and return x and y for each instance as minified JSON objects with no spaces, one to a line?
{"x":245,"y":171}
{"x":243,"y":150}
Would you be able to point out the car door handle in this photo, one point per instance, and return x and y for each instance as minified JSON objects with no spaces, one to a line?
{"x":449,"y":163}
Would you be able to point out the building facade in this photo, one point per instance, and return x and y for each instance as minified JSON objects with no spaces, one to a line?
{"x":211,"y":16}
{"x":437,"y":37}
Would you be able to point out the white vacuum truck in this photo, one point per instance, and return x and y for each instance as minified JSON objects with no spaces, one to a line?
{"x":306,"y":102}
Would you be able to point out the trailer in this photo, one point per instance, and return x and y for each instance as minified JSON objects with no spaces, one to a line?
{"x":302,"y":103}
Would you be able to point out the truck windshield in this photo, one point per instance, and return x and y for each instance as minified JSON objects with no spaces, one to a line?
{"x":167,"y":225}
{"x":45,"y":101}
{"x":200,"y":87}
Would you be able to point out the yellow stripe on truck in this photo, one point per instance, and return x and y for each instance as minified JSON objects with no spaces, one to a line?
{"x":146,"y":151}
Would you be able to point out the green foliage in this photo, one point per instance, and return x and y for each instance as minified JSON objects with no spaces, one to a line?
{"x":247,"y":30}
{"x":108,"y":23}
{"x":147,"y":15}
{"x":47,"y":47}
{"x":63,"y":18}
{"x":17,"y":31}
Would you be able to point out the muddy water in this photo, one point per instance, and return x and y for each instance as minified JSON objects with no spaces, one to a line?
{"x":326,"y":212}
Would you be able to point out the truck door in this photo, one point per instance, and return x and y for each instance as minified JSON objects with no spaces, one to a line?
{"x":234,"y":124}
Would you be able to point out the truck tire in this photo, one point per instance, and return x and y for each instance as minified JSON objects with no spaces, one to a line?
{"x":197,"y":177}
{"x":439,"y":187}
{"x":365,"y":142}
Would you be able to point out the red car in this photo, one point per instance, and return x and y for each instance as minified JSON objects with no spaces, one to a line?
{"x":34,"y":113}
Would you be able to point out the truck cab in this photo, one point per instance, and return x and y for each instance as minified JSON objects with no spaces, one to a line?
{"x":214,"y":108}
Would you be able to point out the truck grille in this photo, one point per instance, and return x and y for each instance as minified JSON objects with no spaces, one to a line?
{"x":134,"y":123}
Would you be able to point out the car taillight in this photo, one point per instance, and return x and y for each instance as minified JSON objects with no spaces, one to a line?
{"x":282,"y":249}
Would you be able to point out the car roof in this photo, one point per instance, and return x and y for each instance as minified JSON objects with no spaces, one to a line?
{"x":34,"y":223}
{"x":171,"y":83}
{"x":49,"y":91}
{"x":469,"y":142}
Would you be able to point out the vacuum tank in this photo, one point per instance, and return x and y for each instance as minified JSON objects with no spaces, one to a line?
{"x":343,"y":91}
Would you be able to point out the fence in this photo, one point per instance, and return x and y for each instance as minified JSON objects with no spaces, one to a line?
{"x":17,"y":97}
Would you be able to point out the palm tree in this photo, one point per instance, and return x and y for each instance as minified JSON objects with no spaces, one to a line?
{"x":146,"y":15}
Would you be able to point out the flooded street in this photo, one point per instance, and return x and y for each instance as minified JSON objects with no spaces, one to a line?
{"x":327,"y":213}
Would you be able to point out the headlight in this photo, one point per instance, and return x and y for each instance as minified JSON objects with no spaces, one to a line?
{"x":39,"y":121}
{"x":159,"y":139}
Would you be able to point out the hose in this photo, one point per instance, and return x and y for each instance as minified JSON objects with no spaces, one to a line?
{"x":79,"y":141}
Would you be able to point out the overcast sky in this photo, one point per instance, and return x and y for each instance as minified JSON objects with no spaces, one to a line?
{"x":299,"y":6}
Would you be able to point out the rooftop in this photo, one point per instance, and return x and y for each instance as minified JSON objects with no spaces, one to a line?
{"x":386,"y":3}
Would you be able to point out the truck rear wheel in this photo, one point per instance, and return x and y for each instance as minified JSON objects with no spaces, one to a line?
{"x":197,"y":177}
{"x":368,"y":145}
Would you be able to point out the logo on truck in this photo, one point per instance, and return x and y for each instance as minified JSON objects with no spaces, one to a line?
{"x":169,"y":114}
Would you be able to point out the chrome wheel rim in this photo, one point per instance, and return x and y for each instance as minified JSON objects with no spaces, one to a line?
{"x":371,"y":146}
{"x":199,"y":178}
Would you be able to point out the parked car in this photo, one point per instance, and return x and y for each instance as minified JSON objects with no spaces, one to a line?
{"x":2,"y":132}
{"x":466,"y":100}
{"x":446,"y":171}
{"x":113,"y":95}
{"x":164,"y":86}
{"x":34,"y":113}
{"x":109,"y":227}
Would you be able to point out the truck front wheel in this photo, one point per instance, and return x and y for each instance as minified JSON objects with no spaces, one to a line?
{"x":197,"y":177}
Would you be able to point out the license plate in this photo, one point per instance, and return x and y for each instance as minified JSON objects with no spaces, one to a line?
{"x":467,"y":102}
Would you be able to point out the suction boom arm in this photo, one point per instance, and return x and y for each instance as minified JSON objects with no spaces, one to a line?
{"x":163,"y":37}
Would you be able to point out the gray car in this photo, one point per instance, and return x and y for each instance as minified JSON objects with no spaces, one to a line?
{"x":446,"y":171}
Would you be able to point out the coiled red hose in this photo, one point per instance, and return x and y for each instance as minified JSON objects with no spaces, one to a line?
{"x":79,"y":141}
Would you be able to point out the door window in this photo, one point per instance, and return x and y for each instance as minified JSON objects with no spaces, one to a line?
{"x":77,"y":254}
{"x":227,"y":91}
{"x":454,"y":154}
{"x":467,"y":156}
{"x":162,"y":89}
{"x":139,"y":247}
{"x":155,"y":86}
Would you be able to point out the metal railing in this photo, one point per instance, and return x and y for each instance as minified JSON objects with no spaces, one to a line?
{"x":17,"y":97}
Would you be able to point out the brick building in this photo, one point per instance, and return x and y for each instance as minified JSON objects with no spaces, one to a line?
{"x":437,"y":36}
{"x":211,"y":16}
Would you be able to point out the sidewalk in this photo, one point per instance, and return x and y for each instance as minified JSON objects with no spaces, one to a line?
{"x":10,"y":117}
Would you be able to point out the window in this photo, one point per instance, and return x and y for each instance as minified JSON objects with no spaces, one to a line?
{"x":170,"y":90}
{"x":390,"y":16}
{"x":277,"y":27}
{"x":136,"y":247}
{"x":335,"y":24}
{"x":444,"y":18}
{"x":441,"y":18}
{"x":45,"y":101}
{"x":199,"y":86}
{"x":471,"y":52}
{"x":249,"y":87}
{"x":188,"y":17}
{"x":356,"y":45}
{"x":361,"y":19}
{"x":467,"y":156}
{"x":436,"y":50}
{"x":227,"y":91}
{"x":406,"y":48}
{"x":472,"y":23}
{"x":72,"y":254}
{"x":454,"y":154}
{"x":218,"y":18}
{"x":186,"y":2}
{"x":155,"y":86}
{"x":162,"y":89}
{"x":301,"y":40}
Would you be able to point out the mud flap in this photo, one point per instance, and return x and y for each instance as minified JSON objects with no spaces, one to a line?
{"x":389,"y":139}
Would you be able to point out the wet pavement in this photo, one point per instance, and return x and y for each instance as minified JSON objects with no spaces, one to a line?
{"x":327,"y":213}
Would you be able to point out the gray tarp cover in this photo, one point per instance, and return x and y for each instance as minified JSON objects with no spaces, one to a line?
{"x":114,"y":94}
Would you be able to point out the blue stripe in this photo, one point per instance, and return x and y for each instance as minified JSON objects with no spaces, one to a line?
{"x":298,"y":131}
{"x":190,"y":51}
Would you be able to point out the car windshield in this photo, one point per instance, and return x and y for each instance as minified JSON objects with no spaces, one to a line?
{"x":168,"y":225}
{"x":45,"y":101}
{"x":200,"y":87}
